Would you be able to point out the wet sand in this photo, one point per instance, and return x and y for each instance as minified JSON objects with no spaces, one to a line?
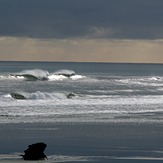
{"x":85,"y":142}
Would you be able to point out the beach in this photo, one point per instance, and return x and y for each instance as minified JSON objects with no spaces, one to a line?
{"x":85,"y":142}
{"x":84,"y":112}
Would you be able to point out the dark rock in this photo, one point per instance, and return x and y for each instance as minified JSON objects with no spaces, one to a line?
{"x":71,"y":95}
{"x":17,"y":96}
{"x":35,"y":152}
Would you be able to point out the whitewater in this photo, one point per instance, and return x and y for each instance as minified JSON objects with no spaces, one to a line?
{"x":80,"y":92}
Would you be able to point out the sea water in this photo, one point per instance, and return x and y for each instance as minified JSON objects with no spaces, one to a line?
{"x":80,"y":92}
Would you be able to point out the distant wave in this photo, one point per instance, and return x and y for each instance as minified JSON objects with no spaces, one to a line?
{"x":42,"y":75}
{"x":155,"y":78}
{"x":146,"y":81}
{"x":41,"y":95}
{"x":35,"y":74}
{"x":64,"y":74}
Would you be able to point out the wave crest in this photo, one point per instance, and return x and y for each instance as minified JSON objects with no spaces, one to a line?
{"x":41,"y":95}
{"x":38,"y":74}
{"x":34,"y":74}
{"x":64,"y":74}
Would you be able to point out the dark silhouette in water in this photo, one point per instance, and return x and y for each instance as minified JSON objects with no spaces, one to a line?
{"x":17,"y":96}
{"x":35,"y":152}
{"x":71,"y":95}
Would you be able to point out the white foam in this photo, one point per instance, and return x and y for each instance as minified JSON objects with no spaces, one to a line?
{"x":14,"y":158}
{"x":76,"y":77}
{"x":154,"y":78}
{"x":2,"y":76}
{"x":11,"y":77}
{"x":60,"y":105}
{"x":56,"y":77}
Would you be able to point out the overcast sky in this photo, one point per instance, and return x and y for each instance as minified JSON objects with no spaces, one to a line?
{"x":82,"y":30}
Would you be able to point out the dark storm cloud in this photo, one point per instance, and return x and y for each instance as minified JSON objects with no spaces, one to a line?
{"x":82,"y":18}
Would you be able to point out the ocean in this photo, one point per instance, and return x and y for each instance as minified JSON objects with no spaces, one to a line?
{"x":100,"y":92}
{"x":79,"y":93}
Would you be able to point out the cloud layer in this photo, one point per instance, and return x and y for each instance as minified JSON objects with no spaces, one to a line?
{"x":117,"y":19}
{"x":82,"y":30}
{"x":93,"y":50}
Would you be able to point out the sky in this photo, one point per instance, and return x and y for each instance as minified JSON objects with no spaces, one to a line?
{"x":82,"y":30}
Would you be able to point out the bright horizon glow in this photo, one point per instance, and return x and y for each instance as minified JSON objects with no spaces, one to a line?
{"x":81,"y":50}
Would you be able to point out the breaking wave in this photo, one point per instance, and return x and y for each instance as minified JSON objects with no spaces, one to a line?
{"x":67,"y":73}
{"x":40,"y":95}
{"x":64,"y":74}
{"x":35,"y":74}
{"x":42,"y":75}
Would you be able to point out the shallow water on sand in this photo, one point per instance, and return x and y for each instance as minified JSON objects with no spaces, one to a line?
{"x":83,"y":111}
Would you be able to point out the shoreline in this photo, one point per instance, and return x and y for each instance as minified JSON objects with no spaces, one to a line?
{"x":86,"y":141}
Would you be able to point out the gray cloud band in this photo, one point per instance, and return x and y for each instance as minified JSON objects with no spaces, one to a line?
{"x":127,"y":19}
